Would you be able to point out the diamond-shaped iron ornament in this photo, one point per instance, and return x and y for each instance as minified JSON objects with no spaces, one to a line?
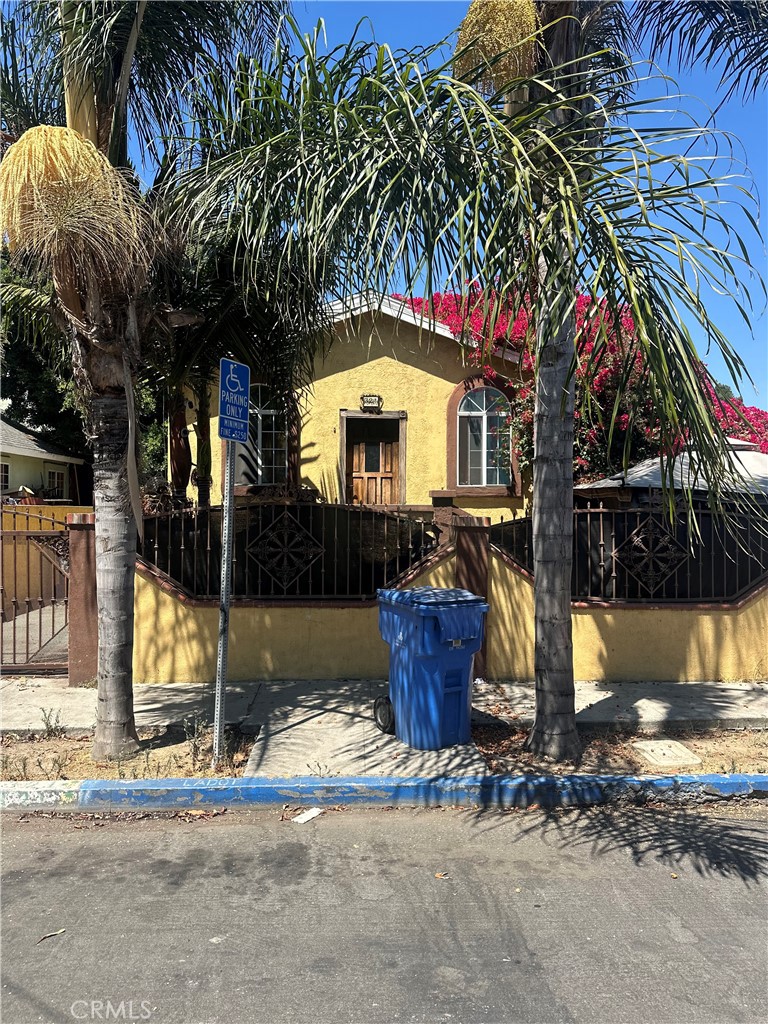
{"x":650,"y":554}
{"x":285,"y":549}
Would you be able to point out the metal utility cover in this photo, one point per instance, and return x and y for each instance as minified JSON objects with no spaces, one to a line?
{"x":666,"y":753}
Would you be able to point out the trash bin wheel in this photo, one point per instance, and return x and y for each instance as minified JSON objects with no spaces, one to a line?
{"x":384,"y":715}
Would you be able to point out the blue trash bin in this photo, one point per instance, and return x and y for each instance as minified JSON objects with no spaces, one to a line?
{"x":433,"y":635}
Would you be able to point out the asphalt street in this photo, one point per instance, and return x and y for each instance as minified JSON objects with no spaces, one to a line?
{"x":376,"y":917}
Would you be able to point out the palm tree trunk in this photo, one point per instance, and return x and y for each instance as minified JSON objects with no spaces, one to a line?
{"x":554,"y":731}
{"x":204,"y":463}
{"x":115,"y":566}
{"x":180,"y":452}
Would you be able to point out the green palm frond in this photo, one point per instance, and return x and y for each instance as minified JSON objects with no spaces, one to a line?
{"x":349,"y":172}
{"x":363,"y":171}
{"x":200,"y":314}
{"x":29,"y":314}
{"x":730,"y":36}
{"x":30,"y":92}
{"x":651,"y":236}
{"x":609,"y":37}
{"x":158,"y":46}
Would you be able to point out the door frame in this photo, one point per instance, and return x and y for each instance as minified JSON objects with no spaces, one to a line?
{"x":357,"y":414}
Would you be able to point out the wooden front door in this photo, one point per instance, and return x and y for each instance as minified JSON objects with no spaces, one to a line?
{"x":373,"y":461}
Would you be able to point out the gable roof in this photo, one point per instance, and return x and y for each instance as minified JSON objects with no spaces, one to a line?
{"x":18,"y":440}
{"x":397,"y":309}
{"x":750,"y":466}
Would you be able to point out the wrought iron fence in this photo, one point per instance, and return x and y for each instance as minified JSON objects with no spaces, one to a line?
{"x":290,"y":551}
{"x":638,"y":555}
{"x":34,"y":590}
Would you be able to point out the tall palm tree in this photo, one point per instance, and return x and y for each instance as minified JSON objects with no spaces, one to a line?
{"x":73,"y":216}
{"x":361,"y":169}
{"x":72,"y":212}
{"x":569,"y":42}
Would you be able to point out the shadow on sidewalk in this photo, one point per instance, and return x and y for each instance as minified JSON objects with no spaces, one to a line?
{"x":665,"y":705}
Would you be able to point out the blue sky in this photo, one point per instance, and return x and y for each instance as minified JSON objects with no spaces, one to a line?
{"x":407,"y":23}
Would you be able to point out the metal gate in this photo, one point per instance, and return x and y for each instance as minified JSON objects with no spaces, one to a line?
{"x":35,"y":589}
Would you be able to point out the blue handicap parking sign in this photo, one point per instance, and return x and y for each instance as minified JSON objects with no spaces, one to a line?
{"x":234,"y":395}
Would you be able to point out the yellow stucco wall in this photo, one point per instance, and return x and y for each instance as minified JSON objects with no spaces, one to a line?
{"x":624,"y":644}
{"x":710,"y":645}
{"x":176,"y":642}
{"x":409,"y":373}
{"x":509,"y":650}
{"x":413,"y":371}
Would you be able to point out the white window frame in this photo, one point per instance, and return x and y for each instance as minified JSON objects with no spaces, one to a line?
{"x":5,"y":476}
{"x":473,"y":413}
{"x":55,"y":471}
{"x":257,"y":411}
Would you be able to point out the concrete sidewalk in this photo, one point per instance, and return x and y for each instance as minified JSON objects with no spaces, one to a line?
{"x":23,"y":699}
{"x":326,"y":729}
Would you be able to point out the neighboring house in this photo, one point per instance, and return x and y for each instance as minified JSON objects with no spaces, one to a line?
{"x":32,"y":466}
{"x":396,"y":416}
{"x":643,"y":482}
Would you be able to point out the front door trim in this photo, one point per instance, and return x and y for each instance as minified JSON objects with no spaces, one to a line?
{"x":357,"y":414}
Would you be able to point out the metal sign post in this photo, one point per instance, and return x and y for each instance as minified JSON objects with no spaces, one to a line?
{"x":234,"y":396}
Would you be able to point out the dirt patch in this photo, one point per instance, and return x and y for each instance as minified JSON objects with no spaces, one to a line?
{"x":177,"y":752}
{"x":611,"y":752}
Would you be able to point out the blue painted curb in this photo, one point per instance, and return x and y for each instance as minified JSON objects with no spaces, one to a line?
{"x":478,"y":790}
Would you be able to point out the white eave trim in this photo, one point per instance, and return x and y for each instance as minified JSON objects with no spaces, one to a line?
{"x":363,"y":303}
{"x":10,"y":449}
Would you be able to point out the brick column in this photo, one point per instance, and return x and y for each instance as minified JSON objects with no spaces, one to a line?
{"x":82,"y":613}
{"x":472,"y":547}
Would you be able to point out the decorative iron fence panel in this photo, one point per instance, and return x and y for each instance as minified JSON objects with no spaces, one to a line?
{"x":34,"y":575}
{"x":289,"y":551}
{"x":515,"y":538}
{"x":638,"y":555}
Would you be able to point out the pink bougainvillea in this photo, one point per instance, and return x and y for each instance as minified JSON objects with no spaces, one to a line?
{"x":746,"y":422}
{"x":600,"y":381}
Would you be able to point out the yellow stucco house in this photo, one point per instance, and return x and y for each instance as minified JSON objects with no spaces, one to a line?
{"x":396,"y":416}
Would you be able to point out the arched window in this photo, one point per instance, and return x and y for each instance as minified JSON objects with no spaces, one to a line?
{"x":483,"y":439}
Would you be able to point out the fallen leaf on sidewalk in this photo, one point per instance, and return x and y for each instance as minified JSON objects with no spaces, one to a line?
{"x":441,"y":874}
{"x":306,"y":816}
{"x":50,"y":935}
{"x":673,"y":875}
{"x":195,"y":814}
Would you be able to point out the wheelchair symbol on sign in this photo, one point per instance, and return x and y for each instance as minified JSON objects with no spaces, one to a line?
{"x":233,"y":381}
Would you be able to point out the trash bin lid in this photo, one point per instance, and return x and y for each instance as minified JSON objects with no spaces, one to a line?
{"x":431,"y":597}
